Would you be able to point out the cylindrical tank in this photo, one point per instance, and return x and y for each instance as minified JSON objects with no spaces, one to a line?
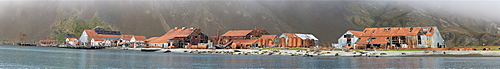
{"x":307,"y":43}
{"x":269,"y":42}
{"x":171,"y":47}
{"x":296,"y":42}
{"x":259,"y":42}
{"x":188,"y":47}
{"x":290,"y":42}
{"x":282,"y":42}
{"x":299,"y":42}
{"x":202,"y":47}
{"x":234,"y":45}
{"x":312,"y":43}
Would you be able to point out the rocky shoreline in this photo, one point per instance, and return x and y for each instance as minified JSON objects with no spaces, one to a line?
{"x":308,"y":53}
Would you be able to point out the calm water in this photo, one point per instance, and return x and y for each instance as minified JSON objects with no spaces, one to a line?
{"x":45,"y":57}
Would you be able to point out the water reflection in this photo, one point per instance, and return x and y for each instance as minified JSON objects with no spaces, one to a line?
{"x":44,"y":57}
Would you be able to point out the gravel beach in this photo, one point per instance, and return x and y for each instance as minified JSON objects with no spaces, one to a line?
{"x":306,"y":53}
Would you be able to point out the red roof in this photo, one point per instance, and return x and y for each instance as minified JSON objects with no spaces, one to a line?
{"x":92,"y":33}
{"x":140,"y":38}
{"x":127,"y":37}
{"x":268,"y":36}
{"x":374,"y":40}
{"x":152,"y":38}
{"x":356,"y":33}
{"x":381,"y":35}
{"x":47,"y":41}
{"x":71,"y":39}
{"x":245,"y":41}
{"x":172,"y":34}
{"x":394,"y":31}
{"x":290,"y":35}
{"x":98,"y":39}
{"x":237,"y":33}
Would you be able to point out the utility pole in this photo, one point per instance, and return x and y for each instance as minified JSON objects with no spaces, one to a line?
{"x":23,"y":37}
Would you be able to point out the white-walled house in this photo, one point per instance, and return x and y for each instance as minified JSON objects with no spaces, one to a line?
{"x":349,"y":38}
{"x":71,"y":41}
{"x":88,"y":35}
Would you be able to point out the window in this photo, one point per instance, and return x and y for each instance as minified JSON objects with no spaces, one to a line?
{"x":371,"y":39}
{"x":411,"y":29}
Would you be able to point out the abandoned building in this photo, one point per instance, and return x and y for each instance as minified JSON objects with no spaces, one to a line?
{"x":297,"y":40}
{"x":99,"y":33}
{"x":47,"y":41}
{"x":179,"y":38}
{"x":267,"y":40}
{"x":132,"y":40}
{"x":242,"y":39}
{"x":71,"y":41}
{"x":392,"y":38}
{"x":349,"y":38}
{"x":101,"y":42}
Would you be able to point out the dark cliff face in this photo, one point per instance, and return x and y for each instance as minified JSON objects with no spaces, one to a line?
{"x":325,"y":19}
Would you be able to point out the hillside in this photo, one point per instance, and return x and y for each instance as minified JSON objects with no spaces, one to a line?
{"x":457,"y":30}
{"x":325,"y":19}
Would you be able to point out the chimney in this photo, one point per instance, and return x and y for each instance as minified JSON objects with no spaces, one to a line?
{"x":218,"y":36}
{"x":254,"y":28}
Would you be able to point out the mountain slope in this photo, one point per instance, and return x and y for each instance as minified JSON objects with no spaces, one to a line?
{"x":457,"y":30}
{"x":325,"y":19}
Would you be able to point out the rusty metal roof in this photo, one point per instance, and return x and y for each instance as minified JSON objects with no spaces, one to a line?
{"x":237,"y":33}
{"x":71,"y":39}
{"x":356,"y":33}
{"x":140,"y":38}
{"x":396,"y":31}
{"x":92,"y":33}
{"x":245,"y":41}
{"x":302,"y":36}
{"x":268,"y":36}
{"x":174,"y":33}
{"x":98,"y":39}
{"x":373,"y":40}
{"x":290,"y":35}
{"x":127,"y":37}
{"x":390,"y":31}
{"x":152,"y":38}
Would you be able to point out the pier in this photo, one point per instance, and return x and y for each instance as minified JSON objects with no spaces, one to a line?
{"x":83,"y":47}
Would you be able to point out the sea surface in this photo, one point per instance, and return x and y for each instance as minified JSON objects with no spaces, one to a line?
{"x":49,"y":57}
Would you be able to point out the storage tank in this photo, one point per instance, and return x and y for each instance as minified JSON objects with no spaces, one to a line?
{"x":282,"y":42}
{"x":270,"y":42}
{"x":260,"y":42}
{"x":202,"y":47}
{"x":290,"y":42}
{"x":299,"y":42}
{"x":294,"y":42}
{"x":233,"y":45}
{"x":307,"y":43}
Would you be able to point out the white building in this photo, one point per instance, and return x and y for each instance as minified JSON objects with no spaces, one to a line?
{"x":71,"y":41}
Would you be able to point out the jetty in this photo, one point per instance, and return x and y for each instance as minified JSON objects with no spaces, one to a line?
{"x":83,"y":47}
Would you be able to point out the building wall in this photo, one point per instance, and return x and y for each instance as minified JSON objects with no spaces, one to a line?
{"x":342,"y":41}
{"x":437,"y":38}
{"x":84,"y":38}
